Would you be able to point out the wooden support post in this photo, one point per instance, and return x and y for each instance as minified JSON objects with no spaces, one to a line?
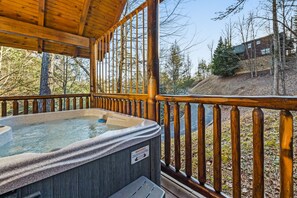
{"x":93,"y":69}
{"x":153,"y":56}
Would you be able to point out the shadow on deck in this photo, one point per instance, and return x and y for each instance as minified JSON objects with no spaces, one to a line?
{"x":175,"y":189}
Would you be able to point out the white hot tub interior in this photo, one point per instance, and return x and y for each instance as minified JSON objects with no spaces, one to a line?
{"x":42,"y":136}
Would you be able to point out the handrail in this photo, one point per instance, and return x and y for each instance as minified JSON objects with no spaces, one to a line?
{"x":270,"y":102}
{"x":124,"y":96}
{"x":8,"y":98}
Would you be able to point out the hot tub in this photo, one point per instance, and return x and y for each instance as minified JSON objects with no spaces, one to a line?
{"x":73,"y":162}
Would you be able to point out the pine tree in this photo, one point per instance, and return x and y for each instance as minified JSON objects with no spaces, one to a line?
{"x":225,"y":61}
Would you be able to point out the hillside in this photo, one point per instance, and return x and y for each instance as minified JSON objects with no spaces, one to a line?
{"x":243,"y":84}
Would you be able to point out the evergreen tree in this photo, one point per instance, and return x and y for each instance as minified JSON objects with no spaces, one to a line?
{"x":225,"y":61}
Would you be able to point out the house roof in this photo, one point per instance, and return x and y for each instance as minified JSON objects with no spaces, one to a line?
{"x":56,"y":26}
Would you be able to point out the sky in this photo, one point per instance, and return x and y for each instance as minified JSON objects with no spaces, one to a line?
{"x":200,"y":14}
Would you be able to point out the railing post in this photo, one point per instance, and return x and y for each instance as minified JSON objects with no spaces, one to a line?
{"x":153,"y":56}
{"x":93,"y":69}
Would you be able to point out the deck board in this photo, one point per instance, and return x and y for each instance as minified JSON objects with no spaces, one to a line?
{"x":174,"y":189}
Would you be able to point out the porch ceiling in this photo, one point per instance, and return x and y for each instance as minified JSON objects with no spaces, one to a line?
{"x":56,"y":26}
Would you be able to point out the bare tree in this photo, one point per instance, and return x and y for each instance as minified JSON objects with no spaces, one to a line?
{"x":211,"y":47}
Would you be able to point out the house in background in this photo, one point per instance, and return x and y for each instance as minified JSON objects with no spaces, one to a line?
{"x":259,"y":52}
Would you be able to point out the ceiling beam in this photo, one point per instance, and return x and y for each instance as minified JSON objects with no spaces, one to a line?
{"x":82,"y":22}
{"x":41,"y":22}
{"x":83,"y":17}
{"x":12,"y":26}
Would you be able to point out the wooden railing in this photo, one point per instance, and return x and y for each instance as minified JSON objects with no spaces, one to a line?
{"x":15,"y":105}
{"x":122,"y":65}
{"x":198,"y":182}
{"x":130,"y":104}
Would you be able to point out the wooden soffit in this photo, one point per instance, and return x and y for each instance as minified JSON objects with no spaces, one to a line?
{"x":56,"y":26}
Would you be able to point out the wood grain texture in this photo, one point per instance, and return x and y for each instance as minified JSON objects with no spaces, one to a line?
{"x":236,"y":152}
{"x":167,"y":133}
{"x":176,"y":117}
{"x":188,"y":140}
{"x":286,"y":154}
{"x":258,"y":153}
{"x":217,"y":150}
{"x":201,"y":145}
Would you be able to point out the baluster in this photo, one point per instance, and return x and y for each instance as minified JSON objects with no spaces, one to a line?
{"x":74,"y":103}
{"x":98,"y":102}
{"x":60,"y":104}
{"x":143,"y":54}
{"x":35,"y":106}
{"x":113,"y":105}
{"x":286,"y":154}
{"x":129,"y":110}
{"x":110,"y":104}
{"x":116,"y":105}
{"x":258,"y":153}
{"x":67,"y":103}
{"x":201,"y":145}
{"x":158,"y":119}
{"x":125,"y":106}
{"x":26,"y":106}
{"x":236,"y":152}
{"x":217,"y":153}
{"x":81,"y":103}
{"x":131,"y":55}
{"x":136,"y":51}
{"x":176,"y":136}
{"x":121,"y":106}
{"x":133,"y":107}
{"x":139,"y":113}
{"x":103,"y":103}
{"x":106,"y":103}
{"x":188,"y":140}
{"x":4,"y":108}
{"x":87,"y":102}
{"x":43,"y":105}
{"x":52,"y":105}
{"x":145,"y":111}
{"x":167,"y":133}
{"x":15,"y":106}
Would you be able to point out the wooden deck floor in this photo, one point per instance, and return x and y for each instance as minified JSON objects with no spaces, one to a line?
{"x":174,"y":189}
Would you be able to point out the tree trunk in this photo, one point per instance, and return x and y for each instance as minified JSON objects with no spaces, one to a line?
{"x":283,"y":64}
{"x":275,"y":50}
{"x":44,"y":78}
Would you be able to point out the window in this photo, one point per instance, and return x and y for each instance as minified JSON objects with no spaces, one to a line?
{"x":249,"y":45}
{"x":265,"y":51}
{"x":258,"y":42}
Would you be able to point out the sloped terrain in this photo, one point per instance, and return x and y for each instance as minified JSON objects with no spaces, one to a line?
{"x":243,"y":84}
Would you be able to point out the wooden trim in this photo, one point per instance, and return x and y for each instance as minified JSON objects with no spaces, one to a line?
{"x":269,"y":102}
{"x":41,"y":12}
{"x":12,"y":26}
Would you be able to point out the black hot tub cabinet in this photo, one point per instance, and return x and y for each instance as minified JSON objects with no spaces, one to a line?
{"x":96,"y":167}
